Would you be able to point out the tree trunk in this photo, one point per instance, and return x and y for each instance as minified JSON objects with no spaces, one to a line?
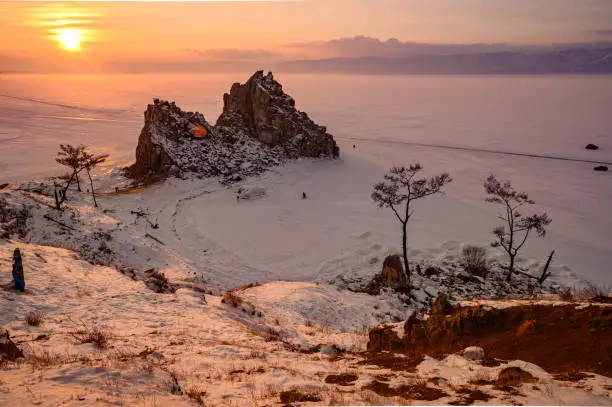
{"x":405,"y":251}
{"x":57,"y":202}
{"x":78,"y":182}
{"x":510,"y":268}
{"x":545,"y":273}
{"x":93,"y":194}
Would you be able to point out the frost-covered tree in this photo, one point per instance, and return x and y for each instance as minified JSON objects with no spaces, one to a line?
{"x":513,"y":234}
{"x":401,"y":188}
{"x":91,"y":160}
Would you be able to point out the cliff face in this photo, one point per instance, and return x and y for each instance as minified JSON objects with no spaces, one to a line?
{"x":258,"y":129}
{"x":261,"y":109}
{"x":164,"y":123}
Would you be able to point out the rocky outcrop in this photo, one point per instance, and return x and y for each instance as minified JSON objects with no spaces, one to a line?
{"x":392,"y":276}
{"x":602,"y":168}
{"x":556,"y":337}
{"x":262,"y":110}
{"x":8,"y":350}
{"x":258,"y":129}
{"x":592,"y":147}
{"x":384,"y":337}
{"x":166,"y":128}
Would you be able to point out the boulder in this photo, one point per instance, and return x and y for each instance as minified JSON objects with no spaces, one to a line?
{"x":262,"y":110}
{"x":8,"y":350}
{"x":602,"y":168}
{"x":473,"y":353}
{"x":250,"y":193}
{"x":592,"y":147}
{"x":391,"y":276}
{"x":384,"y":337}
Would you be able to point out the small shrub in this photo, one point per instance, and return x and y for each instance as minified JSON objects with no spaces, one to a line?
{"x":232,"y":299}
{"x":196,"y":393}
{"x":567,"y":295}
{"x":157,"y":282}
{"x":474,"y":260}
{"x":272,"y":335}
{"x":92,"y":334}
{"x":34,"y":318}
{"x":594,"y":291}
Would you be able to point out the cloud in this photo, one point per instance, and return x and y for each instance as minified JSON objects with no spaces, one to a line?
{"x":236,"y":54}
{"x":363,"y":46}
{"x":606,"y":32}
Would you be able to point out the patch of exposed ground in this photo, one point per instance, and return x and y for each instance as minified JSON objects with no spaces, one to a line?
{"x":560,"y":338}
{"x":418,"y":391}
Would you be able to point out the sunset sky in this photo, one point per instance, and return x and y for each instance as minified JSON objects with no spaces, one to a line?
{"x":90,"y":35}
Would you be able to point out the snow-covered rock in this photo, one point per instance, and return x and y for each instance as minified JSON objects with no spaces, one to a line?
{"x":258,"y":129}
{"x":391,"y":276}
{"x":473,"y":353}
{"x":247,"y":192}
{"x":262,"y":110}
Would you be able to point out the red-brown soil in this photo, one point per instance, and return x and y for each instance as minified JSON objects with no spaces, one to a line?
{"x":343,"y":379}
{"x":408,"y":392}
{"x":560,"y":339}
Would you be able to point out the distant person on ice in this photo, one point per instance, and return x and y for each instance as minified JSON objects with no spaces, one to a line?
{"x":18,"y":278}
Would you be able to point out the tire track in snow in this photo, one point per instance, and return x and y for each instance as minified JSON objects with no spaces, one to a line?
{"x":475,"y":149}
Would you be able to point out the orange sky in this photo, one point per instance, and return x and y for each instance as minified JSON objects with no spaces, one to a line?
{"x":103,"y":31}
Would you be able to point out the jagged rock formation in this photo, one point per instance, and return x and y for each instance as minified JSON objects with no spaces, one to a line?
{"x":167,"y":129}
{"x":261,"y":109}
{"x":258,"y":129}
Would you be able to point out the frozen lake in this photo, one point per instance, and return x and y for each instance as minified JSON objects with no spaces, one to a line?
{"x":465,"y":125}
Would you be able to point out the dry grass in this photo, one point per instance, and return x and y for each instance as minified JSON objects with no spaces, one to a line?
{"x":255,"y":354}
{"x":34,"y":318}
{"x":336,"y":398}
{"x":42,"y":358}
{"x":196,"y":393}
{"x":91,"y":334}
{"x":593,"y":291}
{"x":269,"y":334}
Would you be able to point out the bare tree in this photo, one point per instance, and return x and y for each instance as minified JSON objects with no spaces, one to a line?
{"x":518,"y":225}
{"x":71,"y":157}
{"x":91,"y":160}
{"x":61,"y":192}
{"x":400,"y":187}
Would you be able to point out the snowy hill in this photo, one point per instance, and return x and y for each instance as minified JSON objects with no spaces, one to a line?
{"x":186,"y":348}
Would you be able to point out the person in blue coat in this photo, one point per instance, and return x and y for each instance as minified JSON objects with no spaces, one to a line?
{"x":18,"y":278}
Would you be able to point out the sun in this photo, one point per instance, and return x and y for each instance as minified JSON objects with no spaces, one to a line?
{"x":70,"y":38}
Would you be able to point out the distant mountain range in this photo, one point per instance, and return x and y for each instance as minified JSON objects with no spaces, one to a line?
{"x":356,"y":55}
{"x":586,"y":60}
